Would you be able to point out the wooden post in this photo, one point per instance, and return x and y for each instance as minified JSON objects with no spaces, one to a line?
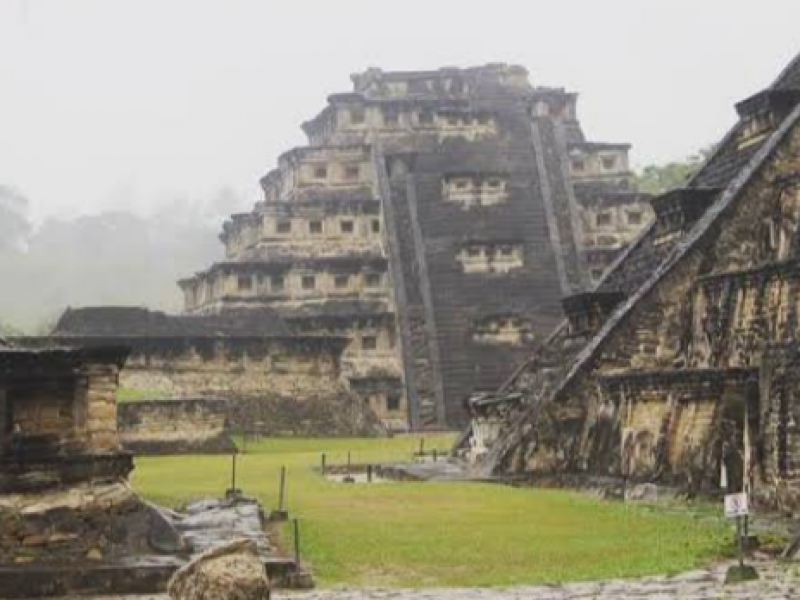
{"x":740,"y":541}
{"x":233,"y":472}
{"x":297,"y":542}
{"x":323,"y":463}
{"x":282,"y":493}
{"x":369,"y":473}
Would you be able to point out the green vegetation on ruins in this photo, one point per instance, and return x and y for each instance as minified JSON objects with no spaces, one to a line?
{"x":133,"y":395}
{"x":440,"y":534}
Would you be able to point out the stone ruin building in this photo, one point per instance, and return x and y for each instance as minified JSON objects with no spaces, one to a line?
{"x":198,"y":378}
{"x":434,"y":220}
{"x":68,"y":519}
{"x":684,"y":362}
{"x":70,"y":524}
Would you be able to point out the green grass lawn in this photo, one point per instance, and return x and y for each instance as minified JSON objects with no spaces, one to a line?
{"x":440,"y":534}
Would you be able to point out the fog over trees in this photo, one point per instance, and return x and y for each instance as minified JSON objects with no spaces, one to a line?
{"x":114,"y":257}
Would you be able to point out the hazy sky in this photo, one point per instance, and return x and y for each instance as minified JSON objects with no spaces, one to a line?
{"x":131,"y":103}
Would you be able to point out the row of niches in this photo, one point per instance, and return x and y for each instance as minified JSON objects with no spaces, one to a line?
{"x":372,"y":338}
{"x":293,"y":284}
{"x":491,"y":258}
{"x":328,"y":235}
{"x":332,"y":173}
{"x":612,"y":218}
{"x":599,"y":164}
{"x":562,"y":107}
{"x":470,"y":191}
{"x":338,"y":226}
{"x":374,"y":117}
{"x":507,"y":330}
{"x":400,"y":88}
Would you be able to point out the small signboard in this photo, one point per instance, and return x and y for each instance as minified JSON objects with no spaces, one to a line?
{"x":736,"y":505}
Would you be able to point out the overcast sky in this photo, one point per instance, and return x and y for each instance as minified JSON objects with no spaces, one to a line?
{"x":109,"y":104}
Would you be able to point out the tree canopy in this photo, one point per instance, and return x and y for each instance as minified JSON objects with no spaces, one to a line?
{"x":659,"y":178}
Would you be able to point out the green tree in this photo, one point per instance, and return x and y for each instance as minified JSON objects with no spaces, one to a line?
{"x":657,"y":179}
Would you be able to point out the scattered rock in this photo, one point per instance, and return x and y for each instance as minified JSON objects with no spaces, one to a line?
{"x":94,"y":554}
{"x":645,"y":492}
{"x":34,"y":540}
{"x":232,"y":571}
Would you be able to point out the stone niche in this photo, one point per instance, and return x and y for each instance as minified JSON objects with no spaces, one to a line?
{"x":587,"y":312}
{"x":677,"y":210}
{"x":506,"y":330}
{"x":761,"y":113}
{"x":475,"y":190}
{"x":465,"y":124}
{"x":598,"y":160}
{"x":384,"y":394}
{"x":58,"y":417}
{"x":479,"y":257}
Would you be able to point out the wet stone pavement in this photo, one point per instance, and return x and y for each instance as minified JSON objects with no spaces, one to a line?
{"x":778,"y":582}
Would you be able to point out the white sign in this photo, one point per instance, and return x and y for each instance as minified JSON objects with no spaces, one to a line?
{"x":736,"y":505}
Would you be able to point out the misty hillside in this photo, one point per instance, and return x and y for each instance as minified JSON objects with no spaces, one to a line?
{"x":108,"y":258}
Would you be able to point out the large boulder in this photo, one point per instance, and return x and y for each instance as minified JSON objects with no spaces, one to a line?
{"x":232,"y":571}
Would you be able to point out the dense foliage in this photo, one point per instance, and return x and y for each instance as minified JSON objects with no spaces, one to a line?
{"x":657,"y":179}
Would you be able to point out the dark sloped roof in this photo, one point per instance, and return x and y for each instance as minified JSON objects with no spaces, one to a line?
{"x":703,"y":226}
{"x":725,"y":163}
{"x":789,"y":77}
{"x":643,"y":256}
{"x":53,"y":361}
{"x":128,"y":321}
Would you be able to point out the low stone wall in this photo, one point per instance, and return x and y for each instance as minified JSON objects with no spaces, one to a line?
{"x":179,"y":426}
{"x":341,"y":414}
{"x":204,"y":425}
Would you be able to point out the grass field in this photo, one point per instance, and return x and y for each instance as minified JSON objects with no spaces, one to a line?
{"x":439,"y":534}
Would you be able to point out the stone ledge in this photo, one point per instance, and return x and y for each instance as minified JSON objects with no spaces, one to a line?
{"x":140,"y":576}
{"x":39,"y":475}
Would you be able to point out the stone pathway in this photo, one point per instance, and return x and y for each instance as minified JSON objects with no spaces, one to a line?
{"x":778,"y":582}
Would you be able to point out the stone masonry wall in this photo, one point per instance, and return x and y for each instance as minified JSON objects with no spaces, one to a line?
{"x":720,"y":307}
{"x":229,"y":368}
{"x":180,"y":426}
